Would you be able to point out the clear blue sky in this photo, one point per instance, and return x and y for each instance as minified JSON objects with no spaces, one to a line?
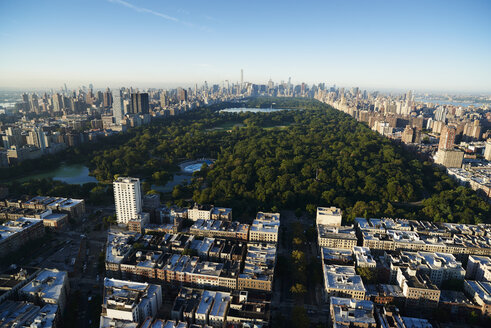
{"x":432,"y":45}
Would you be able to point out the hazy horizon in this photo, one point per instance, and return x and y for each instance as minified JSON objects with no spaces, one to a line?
{"x":170,"y":85}
{"x":438,"y":46}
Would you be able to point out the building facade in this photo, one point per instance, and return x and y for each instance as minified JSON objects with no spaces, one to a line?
{"x":128,"y":199}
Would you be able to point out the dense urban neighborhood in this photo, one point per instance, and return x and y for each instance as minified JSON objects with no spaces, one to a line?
{"x":297,"y":240}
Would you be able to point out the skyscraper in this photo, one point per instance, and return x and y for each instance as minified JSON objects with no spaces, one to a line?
{"x":241,"y":79}
{"x":447,"y":137}
{"x":164,"y":100}
{"x":487,"y":150}
{"x":440,"y":113}
{"x":128,"y":199}
{"x":118,"y":107}
{"x":107,"y":99}
{"x":182,"y":94}
{"x":25,"y":100}
{"x":409,"y":98}
{"x":33,"y":103}
{"x":57,"y":102}
{"x":139,"y":103}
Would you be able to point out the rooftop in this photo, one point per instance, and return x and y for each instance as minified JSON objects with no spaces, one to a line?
{"x":266,"y":226}
{"x":10,"y":228}
{"x":417,"y":280}
{"x":328,"y":211}
{"x":350,"y":311}
{"x":125,"y":295}
{"x":206,"y":302}
{"x":220,"y":304}
{"x":333,"y":232}
{"x":336,"y":254}
{"x":127,"y":180}
{"x":47,"y":284}
{"x":119,"y":245}
{"x":342,"y":277}
{"x":363,"y":256}
{"x":451,"y":296}
{"x":23,"y":314}
{"x":482,"y":289}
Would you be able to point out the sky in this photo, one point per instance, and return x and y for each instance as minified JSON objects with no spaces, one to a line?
{"x":419,"y":45}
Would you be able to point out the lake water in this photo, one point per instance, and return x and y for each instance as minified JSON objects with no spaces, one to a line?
{"x":253,"y":110}
{"x":185,"y":176}
{"x":195,"y":167}
{"x":79,"y":174}
{"x":71,"y":174}
{"x":177,"y":179}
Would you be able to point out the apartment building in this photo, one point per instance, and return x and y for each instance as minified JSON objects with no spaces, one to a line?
{"x":418,"y":289}
{"x":26,"y":314}
{"x":478,"y":268}
{"x":331,"y":216}
{"x":346,"y":312}
{"x":118,"y":248}
{"x":127,"y":198}
{"x":265,"y":228}
{"x":479,"y":292}
{"x":336,"y":236}
{"x":439,"y":267}
{"x":198,"y":211}
{"x":49,"y":286}
{"x":342,"y":281}
{"x":14,"y":234}
{"x":363,"y":257}
{"x":258,"y":269}
{"x":127,"y":301}
{"x":74,"y":208}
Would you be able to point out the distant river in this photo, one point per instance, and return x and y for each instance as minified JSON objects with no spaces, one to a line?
{"x":71,"y":174}
{"x":447,"y":102}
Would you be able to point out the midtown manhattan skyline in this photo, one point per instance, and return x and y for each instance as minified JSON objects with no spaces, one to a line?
{"x":437,"y":46}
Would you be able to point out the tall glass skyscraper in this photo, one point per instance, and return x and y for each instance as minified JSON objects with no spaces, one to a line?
{"x":139,"y":103}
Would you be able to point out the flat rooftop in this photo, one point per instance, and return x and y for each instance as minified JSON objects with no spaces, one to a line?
{"x":206,"y":302}
{"x":328,"y":211}
{"x":342,"y":277}
{"x":336,"y":253}
{"x":10,"y":228}
{"x":127,"y":180}
{"x":48,"y":283}
{"x":352,"y":311}
{"x":333,"y":232}
{"x":220,"y":304}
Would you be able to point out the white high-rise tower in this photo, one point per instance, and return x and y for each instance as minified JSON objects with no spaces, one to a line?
{"x":241,"y":79}
{"x":128,"y":199}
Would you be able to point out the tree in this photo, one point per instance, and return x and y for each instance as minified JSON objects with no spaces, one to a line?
{"x":369,"y":275}
{"x":109,"y":220}
{"x":297,"y":241}
{"x":311,"y":209}
{"x":298,"y":257}
{"x":322,"y":157}
{"x":146,"y":187}
{"x":299,"y":317}
{"x":298,"y":289}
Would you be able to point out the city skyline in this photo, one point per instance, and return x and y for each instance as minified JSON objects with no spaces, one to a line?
{"x":441,"y":46}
